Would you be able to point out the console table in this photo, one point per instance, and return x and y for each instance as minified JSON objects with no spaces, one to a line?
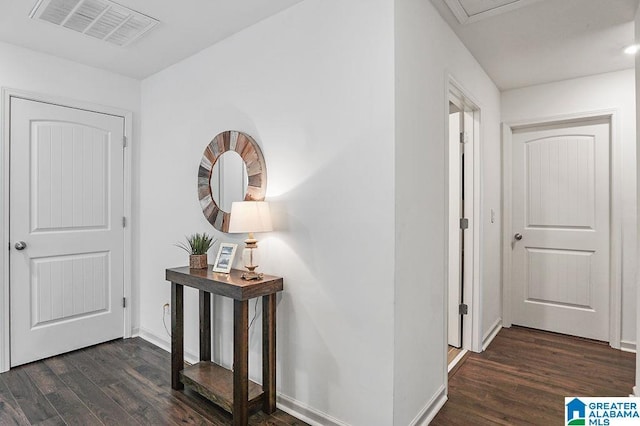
{"x":233,"y":391}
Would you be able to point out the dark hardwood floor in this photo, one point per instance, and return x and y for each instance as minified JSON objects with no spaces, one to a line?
{"x":124,"y":382}
{"x":522,"y":378}
{"x":524,"y":375}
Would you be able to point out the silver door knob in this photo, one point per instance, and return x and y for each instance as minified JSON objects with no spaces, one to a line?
{"x":518,"y":237}
{"x":21,"y":245}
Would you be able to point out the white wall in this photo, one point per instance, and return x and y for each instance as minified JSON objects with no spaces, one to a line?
{"x":314,"y":86}
{"x":637,"y":262}
{"x":32,"y":71}
{"x":38,"y":72}
{"x":582,"y":95}
{"x":427,"y":51}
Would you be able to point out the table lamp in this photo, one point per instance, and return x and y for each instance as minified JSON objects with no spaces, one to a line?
{"x":250,"y":216}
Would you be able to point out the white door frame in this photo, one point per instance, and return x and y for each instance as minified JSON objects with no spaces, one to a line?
{"x":615,"y":245}
{"x":472,"y":322}
{"x":7,"y":94}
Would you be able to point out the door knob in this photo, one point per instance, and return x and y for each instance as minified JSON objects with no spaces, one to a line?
{"x":21,"y":245}
{"x":518,"y":237}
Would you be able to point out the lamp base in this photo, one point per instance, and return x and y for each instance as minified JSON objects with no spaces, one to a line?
{"x":252,"y":275}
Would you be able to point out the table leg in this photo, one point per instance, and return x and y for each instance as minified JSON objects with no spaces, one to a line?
{"x":240,"y":362}
{"x":177,"y":335}
{"x":269,"y":353}
{"x":205,"y":326}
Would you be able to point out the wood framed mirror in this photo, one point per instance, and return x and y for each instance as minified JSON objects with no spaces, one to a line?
{"x":224,"y":178}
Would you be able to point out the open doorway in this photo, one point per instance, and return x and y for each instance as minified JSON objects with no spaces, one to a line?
{"x":463,"y":234}
{"x":456,"y":234}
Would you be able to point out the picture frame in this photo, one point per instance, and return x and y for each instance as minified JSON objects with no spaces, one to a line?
{"x":224,"y":259}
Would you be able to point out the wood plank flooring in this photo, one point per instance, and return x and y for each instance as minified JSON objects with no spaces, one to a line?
{"x":123,"y":382}
{"x":524,"y":375}
{"x":452,"y":353}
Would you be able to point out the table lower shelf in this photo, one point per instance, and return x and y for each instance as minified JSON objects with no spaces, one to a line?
{"x":216,"y":384}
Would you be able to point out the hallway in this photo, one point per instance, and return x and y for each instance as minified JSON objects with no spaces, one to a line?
{"x":524,"y":375}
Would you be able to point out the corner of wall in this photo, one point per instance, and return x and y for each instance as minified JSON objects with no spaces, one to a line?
{"x":637,"y":39}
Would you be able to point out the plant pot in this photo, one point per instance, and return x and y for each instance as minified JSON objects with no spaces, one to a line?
{"x":198,"y":261}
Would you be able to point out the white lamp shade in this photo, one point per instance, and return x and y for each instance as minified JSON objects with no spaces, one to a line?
{"x":250,"y":216}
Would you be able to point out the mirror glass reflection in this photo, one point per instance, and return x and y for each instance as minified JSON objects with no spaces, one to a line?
{"x":229,"y":180}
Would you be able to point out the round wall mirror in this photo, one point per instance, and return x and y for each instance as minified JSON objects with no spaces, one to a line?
{"x":232,"y":169}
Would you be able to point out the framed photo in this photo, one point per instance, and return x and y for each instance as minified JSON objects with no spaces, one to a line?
{"x":224,"y":260}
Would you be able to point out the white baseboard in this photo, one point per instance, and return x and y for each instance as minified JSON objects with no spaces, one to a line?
{"x":164,"y":343}
{"x":431,"y":409}
{"x":285,"y":403}
{"x":493,"y":332}
{"x":456,"y":360}
{"x":627,"y":346}
{"x":305,"y":413}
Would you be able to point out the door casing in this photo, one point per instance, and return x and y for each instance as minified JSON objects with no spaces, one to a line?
{"x":615,"y":244}
{"x":7,"y":94}
{"x":472,"y":323}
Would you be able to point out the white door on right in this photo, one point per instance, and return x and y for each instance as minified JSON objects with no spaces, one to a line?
{"x":560,"y":235}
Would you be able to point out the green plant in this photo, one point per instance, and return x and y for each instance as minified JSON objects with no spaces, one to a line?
{"x":197,"y":243}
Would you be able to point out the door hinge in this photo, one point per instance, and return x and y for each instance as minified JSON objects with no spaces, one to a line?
{"x":124,"y":141}
{"x":463,"y":137}
{"x":124,"y":302}
{"x":463,"y":309}
{"x":124,"y":222}
{"x":464,"y":223}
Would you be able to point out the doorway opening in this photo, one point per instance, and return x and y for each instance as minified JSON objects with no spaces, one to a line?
{"x":66,"y":198}
{"x":463,"y":234}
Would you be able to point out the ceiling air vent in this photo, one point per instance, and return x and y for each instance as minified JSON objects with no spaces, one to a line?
{"x":102,"y":19}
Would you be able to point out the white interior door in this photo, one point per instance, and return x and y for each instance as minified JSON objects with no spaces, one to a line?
{"x":66,"y":205}
{"x":561,"y":207}
{"x":454,"y":327}
{"x":460,"y":208}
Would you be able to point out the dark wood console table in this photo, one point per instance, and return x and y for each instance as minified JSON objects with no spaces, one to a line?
{"x":233,"y":391}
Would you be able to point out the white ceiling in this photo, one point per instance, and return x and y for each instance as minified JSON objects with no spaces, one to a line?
{"x":186,"y":27}
{"x":539,"y":41}
{"x":518,"y":42}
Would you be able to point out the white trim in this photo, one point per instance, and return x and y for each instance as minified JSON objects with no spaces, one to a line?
{"x":615,"y":237}
{"x":5,"y":352}
{"x":128,"y":230}
{"x":505,"y":241}
{"x":615,"y":274}
{"x":627,"y":346}
{"x":472,"y":323}
{"x":285,"y":403}
{"x":456,"y":360}
{"x":478,"y":253}
{"x":491,"y":334}
{"x":192,"y":357}
{"x":7,"y":94}
{"x":636,"y":391}
{"x":430,"y":410}
{"x":305,"y":413}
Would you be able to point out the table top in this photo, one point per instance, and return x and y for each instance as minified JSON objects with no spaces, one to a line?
{"x":231,"y":285}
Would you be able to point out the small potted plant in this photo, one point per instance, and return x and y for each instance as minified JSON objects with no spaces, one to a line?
{"x":197,"y":246}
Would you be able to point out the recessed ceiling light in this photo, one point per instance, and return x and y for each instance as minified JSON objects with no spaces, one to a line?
{"x":632,"y":50}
